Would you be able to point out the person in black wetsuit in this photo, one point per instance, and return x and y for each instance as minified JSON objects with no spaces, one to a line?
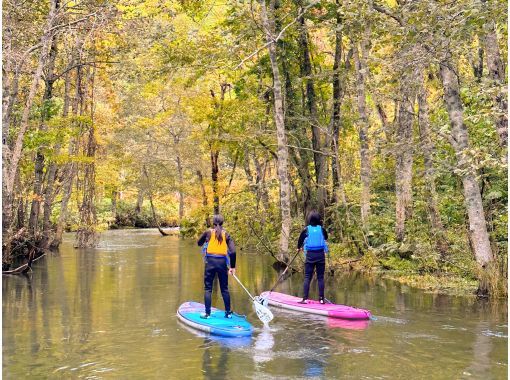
{"x":313,"y":240}
{"x":220,"y":249}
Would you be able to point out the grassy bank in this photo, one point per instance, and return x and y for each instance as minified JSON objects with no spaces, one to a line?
{"x":453,"y":278}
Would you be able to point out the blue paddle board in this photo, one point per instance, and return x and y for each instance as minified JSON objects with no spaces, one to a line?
{"x":237,"y":326}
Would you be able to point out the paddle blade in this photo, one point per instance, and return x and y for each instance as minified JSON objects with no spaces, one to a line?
{"x":262,"y":300}
{"x":263,"y":312}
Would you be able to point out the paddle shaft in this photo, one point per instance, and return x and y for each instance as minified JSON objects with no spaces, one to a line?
{"x":285,"y":271}
{"x":240,"y":283}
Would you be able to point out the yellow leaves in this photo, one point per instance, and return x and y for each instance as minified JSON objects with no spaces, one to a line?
{"x":36,"y":197}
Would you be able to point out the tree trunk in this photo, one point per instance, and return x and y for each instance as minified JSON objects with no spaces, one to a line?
{"x":282,"y":152}
{"x":39,"y":160}
{"x":181,"y":185}
{"x":497,"y":75}
{"x":11,"y":159}
{"x":139,"y":201}
{"x":404,"y":157}
{"x":311,"y":106}
{"x":427,"y":147}
{"x":214,"y":177}
{"x":261,"y":184}
{"x":71,"y":168}
{"x":205,"y":202}
{"x":365,"y":172}
{"x":473,"y":199}
{"x":49,"y":193}
{"x":115,"y":196}
{"x":336,"y":171}
{"x":87,"y":236}
{"x":299,"y":158}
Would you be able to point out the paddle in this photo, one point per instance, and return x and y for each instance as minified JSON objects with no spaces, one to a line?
{"x":331,"y":271}
{"x":263,"y":313}
{"x":285,"y":271}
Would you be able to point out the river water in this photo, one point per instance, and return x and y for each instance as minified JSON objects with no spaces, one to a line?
{"x":109,"y":313}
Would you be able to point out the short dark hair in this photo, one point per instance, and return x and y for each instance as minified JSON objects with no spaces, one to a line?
{"x":314,"y":218}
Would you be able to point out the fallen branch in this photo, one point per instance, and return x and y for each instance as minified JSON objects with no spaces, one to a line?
{"x":162,"y":232}
{"x":25,"y":268}
{"x":265,"y":246}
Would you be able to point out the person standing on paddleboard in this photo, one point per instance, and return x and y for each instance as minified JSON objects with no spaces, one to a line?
{"x":313,"y":240}
{"x":219,"y":250}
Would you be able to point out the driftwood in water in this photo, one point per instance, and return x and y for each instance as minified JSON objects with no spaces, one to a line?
{"x":162,"y":232}
{"x":153,"y":209}
{"x":25,"y":268}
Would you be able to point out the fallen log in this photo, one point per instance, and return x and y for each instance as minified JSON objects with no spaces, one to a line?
{"x":27,"y":267}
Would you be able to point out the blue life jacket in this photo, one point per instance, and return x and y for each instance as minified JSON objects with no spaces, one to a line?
{"x":315,"y":239}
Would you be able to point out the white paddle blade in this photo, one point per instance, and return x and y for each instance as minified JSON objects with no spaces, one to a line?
{"x":263,"y":313}
{"x":262,"y":300}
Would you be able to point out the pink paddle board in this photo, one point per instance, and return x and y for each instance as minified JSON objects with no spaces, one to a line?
{"x":286,"y":301}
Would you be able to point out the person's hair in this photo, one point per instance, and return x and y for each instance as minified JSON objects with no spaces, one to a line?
{"x":217,"y":223}
{"x":314,"y":218}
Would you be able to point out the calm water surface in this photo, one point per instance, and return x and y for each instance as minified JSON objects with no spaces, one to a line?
{"x":109,"y":313}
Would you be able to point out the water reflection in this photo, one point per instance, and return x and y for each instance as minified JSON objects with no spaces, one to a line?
{"x":263,"y":346}
{"x":110,"y":313}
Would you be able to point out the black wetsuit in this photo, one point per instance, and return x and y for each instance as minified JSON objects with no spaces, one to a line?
{"x":217,"y":265}
{"x":315,"y":259}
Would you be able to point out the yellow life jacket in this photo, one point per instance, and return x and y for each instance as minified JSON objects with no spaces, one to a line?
{"x":215,"y":247}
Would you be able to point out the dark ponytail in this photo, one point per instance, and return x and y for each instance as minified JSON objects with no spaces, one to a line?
{"x":217,"y":223}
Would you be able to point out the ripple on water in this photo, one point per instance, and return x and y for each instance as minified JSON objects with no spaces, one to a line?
{"x":390,"y":320}
{"x":496,"y":334}
{"x":450,"y":327}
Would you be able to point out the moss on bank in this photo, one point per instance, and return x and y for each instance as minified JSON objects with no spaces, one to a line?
{"x":452,"y":278}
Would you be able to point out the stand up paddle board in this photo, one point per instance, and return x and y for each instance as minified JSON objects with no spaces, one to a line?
{"x":286,"y":301}
{"x":237,"y":326}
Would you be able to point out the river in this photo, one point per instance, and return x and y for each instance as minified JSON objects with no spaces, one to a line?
{"x":109,"y":313}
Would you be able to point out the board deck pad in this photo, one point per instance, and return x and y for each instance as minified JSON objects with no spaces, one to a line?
{"x":237,"y":326}
{"x":287,"y":301}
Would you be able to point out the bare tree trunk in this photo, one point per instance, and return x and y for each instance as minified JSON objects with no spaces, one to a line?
{"x":155,"y":220}
{"x":282,"y":152}
{"x":86,"y":235}
{"x":139,"y":200}
{"x":181,"y":185}
{"x":336,"y":171}
{"x":214,"y":177}
{"x":427,"y":147}
{"x":49,"y":193}
{"x":299,"y":158}
{"x":205,"y":202}
{"x":39,"y":160}
{"x":261,"y":184}
{"x":361,"y":70}
{"x":11,"y":159}
{"x":311,"y":105}
{"x":115,"y":196}
{"x":497,"y":74}
{"x":71,"y":168}
{"x":404,"y":157}
{"x":473,"y":199}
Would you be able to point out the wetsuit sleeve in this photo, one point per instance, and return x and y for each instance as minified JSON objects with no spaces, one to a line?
{"x":231,"y":250}
{"x":205,"y":237}
{"x":302,"y":237}
{"x":324,"y":233}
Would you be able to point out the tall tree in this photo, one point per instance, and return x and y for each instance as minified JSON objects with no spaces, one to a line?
{"x":282,"y":152}
{"x":361,"y":73}
{"x":473,"y":200}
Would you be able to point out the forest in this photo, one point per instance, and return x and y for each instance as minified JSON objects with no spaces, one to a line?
{"x":389,"y":117}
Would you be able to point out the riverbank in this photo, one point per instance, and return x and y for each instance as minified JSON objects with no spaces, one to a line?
{"x":411,"y":273}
